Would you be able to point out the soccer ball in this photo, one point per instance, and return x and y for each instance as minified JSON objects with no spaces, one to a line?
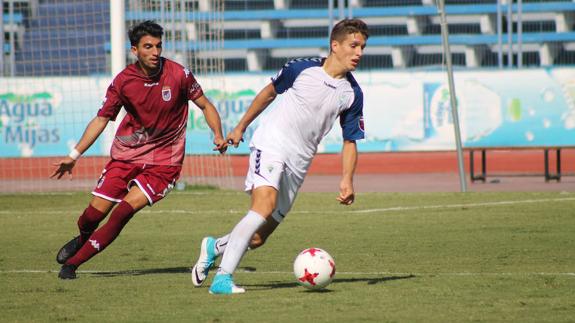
{"x":314,"y":268}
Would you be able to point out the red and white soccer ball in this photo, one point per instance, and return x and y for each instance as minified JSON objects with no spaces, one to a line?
{"x":314,"y":268}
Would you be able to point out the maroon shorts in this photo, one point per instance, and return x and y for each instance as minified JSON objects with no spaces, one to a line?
{"x":156,"y":181}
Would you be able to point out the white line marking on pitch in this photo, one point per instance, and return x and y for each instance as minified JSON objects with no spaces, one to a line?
{"x":375,"y":273}
{"x":387,"y":209}
{"x":449,"y":206}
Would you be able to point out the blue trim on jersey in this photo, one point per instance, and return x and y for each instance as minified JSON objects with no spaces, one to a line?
{"x":290,"y":71}
{"x":351,"y":120}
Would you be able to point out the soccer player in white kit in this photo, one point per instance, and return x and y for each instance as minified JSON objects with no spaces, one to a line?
{"x":314,"y":93}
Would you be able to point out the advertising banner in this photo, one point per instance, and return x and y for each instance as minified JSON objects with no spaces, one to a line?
{"x":403,"y":111}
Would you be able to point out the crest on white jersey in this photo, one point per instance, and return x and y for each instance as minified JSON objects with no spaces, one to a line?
{"x":166,"y":93}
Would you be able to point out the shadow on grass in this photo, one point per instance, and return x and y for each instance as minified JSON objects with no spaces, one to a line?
{"x":367,"y":280}
{"x":140,"y":272}
{"x":155,"y":271}
{"x":270,"y":285}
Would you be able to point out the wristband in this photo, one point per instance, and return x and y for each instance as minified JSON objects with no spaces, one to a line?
{"x":74,"y":154}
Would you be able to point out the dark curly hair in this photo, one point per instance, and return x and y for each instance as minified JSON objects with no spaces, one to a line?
{"x":145,"y":28}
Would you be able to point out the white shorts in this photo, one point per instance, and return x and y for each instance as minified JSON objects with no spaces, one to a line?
{"x":269,"y":170}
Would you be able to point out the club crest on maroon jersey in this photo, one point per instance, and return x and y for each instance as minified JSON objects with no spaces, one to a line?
{"x":166,"y":93}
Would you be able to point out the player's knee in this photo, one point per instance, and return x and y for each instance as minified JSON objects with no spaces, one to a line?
{"x":264,"y":201}
{"x":265,"y":210}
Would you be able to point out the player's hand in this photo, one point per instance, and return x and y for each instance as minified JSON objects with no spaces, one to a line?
{"x":221,"y":145}
{"x":235,"y":137}
{"x":64,"y":166}
{"x":346,"y":193}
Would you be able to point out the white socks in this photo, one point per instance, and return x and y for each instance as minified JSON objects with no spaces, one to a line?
{"x":239,"y":240}
{"x":221,"y":244}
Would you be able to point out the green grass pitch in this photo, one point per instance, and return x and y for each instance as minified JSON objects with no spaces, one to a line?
{"x":437,"y":257}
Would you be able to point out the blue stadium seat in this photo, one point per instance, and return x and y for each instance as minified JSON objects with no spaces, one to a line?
{"x":65,"y":38}
{"x":17,"y":18}
{"x":255,"y":30}
{"x":12,"y":24}
{"x":64,"y":55}
{"x":62,"y":8}
{"x":85,"y":21}
{"x":248,"y":5}
{"x":61,"y":68}
{"x":360,"y":12}
{"x":263,"y":34}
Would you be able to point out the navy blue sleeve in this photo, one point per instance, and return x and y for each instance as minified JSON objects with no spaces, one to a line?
{"x":351,"y":120}
{"x":289,"y":72}
{"x":285,"y":78}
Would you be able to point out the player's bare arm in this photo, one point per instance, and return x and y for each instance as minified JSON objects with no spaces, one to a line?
{"x":259,"y":104}
{"x":214,"y":122}
{"x":92,"y":132}
{"x":349,"y":162}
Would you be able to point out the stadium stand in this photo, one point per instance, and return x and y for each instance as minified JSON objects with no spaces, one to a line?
{"x":63,"y":38}
{"x":263,"y":34}
{"x":12,"y":24}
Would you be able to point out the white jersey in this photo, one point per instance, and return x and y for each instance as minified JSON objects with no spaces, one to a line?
{"x":306,"y":110}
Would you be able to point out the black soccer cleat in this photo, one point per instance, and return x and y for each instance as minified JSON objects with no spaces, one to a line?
{"x":67,"y":272}
{"x":68,"y":250}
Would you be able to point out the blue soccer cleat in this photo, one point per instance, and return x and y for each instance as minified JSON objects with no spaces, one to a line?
{"x":205,"y":261}
{"x":224,"y":285}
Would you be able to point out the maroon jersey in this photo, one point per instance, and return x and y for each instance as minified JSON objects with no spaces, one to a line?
{"x":154,"y":128}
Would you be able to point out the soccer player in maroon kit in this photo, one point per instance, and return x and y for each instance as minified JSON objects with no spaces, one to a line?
{"x":148,"y":149}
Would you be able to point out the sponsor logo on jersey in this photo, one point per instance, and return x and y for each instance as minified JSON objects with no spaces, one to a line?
{"x":187,"y":72}
{"x":151,"y":84}
{"x":166,"y":93}
{"x":328,"y":85}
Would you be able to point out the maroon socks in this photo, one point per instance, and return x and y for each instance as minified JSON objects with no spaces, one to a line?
{"x":102,"y":237}
{"x":89,"y":221}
